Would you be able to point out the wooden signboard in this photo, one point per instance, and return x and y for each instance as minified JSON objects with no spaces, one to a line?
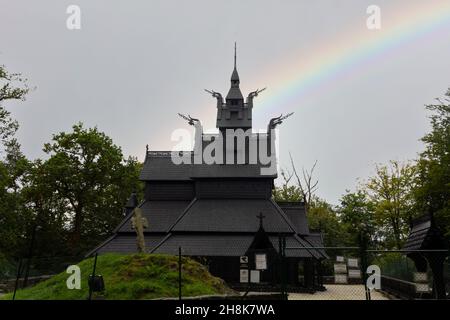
{"x":420,"y":277}
{"x":243,"y":259}
{"x":352,"y":263}
{"x":340,"y":278}
{"x":261,"y":261}
{"x":354,"y":273}
{"x":340,"y":268}
{"x":244,"y":275}
{"x":422,"y":287}
{"x":255,"y":276}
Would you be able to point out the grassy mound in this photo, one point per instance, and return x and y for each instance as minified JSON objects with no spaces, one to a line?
{"x":137,"y":276}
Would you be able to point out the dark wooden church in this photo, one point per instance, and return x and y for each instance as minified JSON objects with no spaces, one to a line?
{"x":223,"y":212}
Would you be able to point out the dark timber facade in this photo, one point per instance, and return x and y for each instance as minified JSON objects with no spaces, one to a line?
{"x":211,"y":210}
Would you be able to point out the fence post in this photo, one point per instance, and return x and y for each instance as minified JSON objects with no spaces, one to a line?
{"x":284,"y":268}
{"x":93,"y":277}
{"x":179,"y":273}
{"x":17,"y":279}
{"x":280,"y":266}
{"x":36,"y":228}
{"x":364,"y":262}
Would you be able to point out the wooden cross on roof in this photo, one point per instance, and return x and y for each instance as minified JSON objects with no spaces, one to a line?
{"x":260,"y":217}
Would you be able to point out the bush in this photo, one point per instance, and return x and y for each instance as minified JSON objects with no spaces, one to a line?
{"x":7,"y":268}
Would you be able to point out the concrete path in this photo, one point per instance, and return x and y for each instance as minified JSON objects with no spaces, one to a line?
{"x":339,"y":292}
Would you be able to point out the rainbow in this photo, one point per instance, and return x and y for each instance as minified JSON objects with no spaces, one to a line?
{"x":297,"y":77}
{"x":302,"y":73}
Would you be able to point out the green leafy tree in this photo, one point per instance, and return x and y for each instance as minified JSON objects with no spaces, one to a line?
{"x":390,"y":189}
{"x":324,"y":218}
{"x":49,"y":219}
{"x":92,"y":180}
{"x":286,"y":192}
{"x":303,"y":189}
{"x":13,"y":168}
{"x":321,"y":215}
{"x":356,"y":211}
{"x":433,"y":180}
{"x":12,"y":87}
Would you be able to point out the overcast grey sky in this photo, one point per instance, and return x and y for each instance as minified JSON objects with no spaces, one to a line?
{"x":135,"y":64}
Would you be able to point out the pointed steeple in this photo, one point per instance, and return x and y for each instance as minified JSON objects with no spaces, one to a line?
{"x":235,"y":55}
{"x":234,"y":94}
{"x":234,"y":112}
{"x":234,"y":75}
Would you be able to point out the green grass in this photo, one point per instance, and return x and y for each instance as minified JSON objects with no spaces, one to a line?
{"x":136,"y":276}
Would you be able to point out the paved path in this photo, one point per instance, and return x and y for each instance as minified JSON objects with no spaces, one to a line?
{"x":338,"y":292}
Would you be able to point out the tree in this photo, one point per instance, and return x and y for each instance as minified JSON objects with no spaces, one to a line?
{"x":75,"y":197}
{"x":92,"y":180}
{"x":321,"y":215}
{"x":433,"y":180}
{"x":390,"y":189}
{"x":13,"y":168}
{"x":13,"y":217}
{"x":287,"y":192}
{"x":324,"y":218}
{"x":308,"y":186}
{"x":357,"y":212}
{"x":303,"y":190}
{"x":49,"y":220}
{"x":12,"y":87}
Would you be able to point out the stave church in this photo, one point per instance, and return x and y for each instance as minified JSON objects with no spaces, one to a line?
{"x":222,"y":212}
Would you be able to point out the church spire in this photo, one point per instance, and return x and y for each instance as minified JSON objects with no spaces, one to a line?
{"x":233,"y":112}
{"x":235,"y":76}
{"x":235,"y":94}
{"x":235,"y":55}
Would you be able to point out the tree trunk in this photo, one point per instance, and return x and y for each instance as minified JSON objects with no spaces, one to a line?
{"x":75,"y":237}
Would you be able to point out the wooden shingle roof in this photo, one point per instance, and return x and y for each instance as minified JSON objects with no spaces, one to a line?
{"x":424,"y":235}
{"x":160,"y":215}
{"x":159,"y":166}
{"x":232,"y":215}
{"x":297,"y":214}
{"x":221,"y":245}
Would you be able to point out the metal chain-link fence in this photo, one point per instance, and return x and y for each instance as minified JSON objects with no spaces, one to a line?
{"x":27,"y":272}
{"x":354,"y":273}
{"x":294,"y":273}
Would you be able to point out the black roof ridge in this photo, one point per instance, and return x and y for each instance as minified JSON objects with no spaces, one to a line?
{"x":165,"y":153}
{"x":182,"y":214}
{"x":167,"y":200}
{"x":283,"y":215}
{"x":149,"y":233}
{"x":161,"y":242}
{"x":270,"y":200}
{"x":151,"y":208}
{"x":421,"y":219}
{"x":252,"y":235}
{"x":101,"y":245}
{"x":291,"y":203}
{"x":233,"y":198}
{"x":304,"y":238}
{"x":226,"y":233}
{"x":298,"y":238}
